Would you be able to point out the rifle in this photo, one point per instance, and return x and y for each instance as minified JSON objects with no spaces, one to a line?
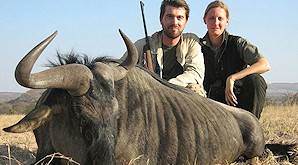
{"x":146,"y":49}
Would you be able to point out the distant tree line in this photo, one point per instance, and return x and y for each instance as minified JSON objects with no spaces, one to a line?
{"x":26,"y":102}
{"x":286,"y":99}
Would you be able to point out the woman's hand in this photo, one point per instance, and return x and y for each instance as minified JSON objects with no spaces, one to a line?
{"x":230,"y":97}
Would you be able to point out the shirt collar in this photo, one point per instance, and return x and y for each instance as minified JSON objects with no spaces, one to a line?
{"x":206,"y":40}
{"x":160,"y":38}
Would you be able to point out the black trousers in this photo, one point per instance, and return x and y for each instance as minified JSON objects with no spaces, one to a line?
{"x":250,"y":92}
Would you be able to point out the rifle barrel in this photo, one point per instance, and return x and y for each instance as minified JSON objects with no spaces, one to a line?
{"x":144,"y":23}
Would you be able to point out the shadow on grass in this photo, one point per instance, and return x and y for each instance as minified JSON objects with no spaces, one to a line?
{"x":283,"y":152}
{"x":15,"y":155}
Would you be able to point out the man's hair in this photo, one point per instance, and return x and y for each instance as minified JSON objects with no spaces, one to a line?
{"x":174,"y":3}
{"x":215,"y":4}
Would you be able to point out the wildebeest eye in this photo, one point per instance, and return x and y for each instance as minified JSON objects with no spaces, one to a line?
{"x":101,"y":89}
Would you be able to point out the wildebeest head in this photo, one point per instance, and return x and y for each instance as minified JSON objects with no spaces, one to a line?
{"x":77,"y":97}
{"x":76,"y":79}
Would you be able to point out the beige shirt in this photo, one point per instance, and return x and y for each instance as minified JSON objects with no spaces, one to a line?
{"x":188,"y":54}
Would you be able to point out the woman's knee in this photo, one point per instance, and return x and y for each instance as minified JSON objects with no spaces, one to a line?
{"x":255,"y":81}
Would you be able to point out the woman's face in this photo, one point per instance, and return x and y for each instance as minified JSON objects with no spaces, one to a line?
{"x":216,"y":21}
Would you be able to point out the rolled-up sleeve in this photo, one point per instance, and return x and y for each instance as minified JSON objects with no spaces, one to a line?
{"x":248,"y":52}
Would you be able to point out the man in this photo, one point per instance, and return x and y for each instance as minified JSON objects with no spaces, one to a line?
{"x":176,"y":56}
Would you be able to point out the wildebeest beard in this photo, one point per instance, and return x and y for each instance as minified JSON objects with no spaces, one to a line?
{"x":96,"y":112}
{"x":97,"y":125}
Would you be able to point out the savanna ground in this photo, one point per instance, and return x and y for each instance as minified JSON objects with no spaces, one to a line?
{"x":280,"y":124}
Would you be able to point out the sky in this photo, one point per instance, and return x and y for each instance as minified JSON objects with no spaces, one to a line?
{"x":91,"y":27}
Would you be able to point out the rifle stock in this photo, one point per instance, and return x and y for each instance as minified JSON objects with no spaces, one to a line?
{"x":148,"y":58}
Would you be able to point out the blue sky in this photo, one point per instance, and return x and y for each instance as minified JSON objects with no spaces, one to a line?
{"x":91,"y":27}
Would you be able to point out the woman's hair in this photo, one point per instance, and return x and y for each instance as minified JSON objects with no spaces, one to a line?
{"x":215,"y":4}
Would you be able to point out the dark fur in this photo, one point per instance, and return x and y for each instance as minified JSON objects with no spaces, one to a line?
{"x":146,"y":117}
{"x":72,"y":57}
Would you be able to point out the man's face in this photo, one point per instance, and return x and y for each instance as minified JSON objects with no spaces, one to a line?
{"x":173,"y":21}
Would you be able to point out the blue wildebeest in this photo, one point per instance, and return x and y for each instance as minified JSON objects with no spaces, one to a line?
{"x":107,"y":112}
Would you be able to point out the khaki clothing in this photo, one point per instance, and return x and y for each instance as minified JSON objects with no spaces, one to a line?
{"x":188,"y":55}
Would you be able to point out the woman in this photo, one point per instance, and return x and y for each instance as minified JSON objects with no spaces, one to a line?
{"x":233,"y":65}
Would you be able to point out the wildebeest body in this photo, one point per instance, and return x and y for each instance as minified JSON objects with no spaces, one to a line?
{"x":166,"y":130}
{"x":176,"y":126}
{"x":139,"y":118}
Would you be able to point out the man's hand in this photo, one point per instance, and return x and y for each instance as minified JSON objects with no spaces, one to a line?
{"x":197,"y":88}
{"x":230,"y":96}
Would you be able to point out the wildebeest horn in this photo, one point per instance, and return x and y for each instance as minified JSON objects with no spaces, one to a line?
{"x":31,"y":121}
{"x":131,"y":59}
{"x":75,"y":78}
{"x":22,"y":72}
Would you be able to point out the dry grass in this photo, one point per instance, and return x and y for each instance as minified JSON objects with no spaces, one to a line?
{"x":280,"y":126}
{"x":280,"y":123}
{"x":15,"y":148}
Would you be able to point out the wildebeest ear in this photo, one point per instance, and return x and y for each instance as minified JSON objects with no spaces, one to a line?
{"x":33,"y":120}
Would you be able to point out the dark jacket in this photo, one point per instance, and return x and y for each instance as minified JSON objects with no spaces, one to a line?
{"x":233,"y":56}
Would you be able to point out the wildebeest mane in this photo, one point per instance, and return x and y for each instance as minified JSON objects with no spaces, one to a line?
{"x":164,"y":82}
{"x":72,"y":57}
{"x":75,"y":58}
